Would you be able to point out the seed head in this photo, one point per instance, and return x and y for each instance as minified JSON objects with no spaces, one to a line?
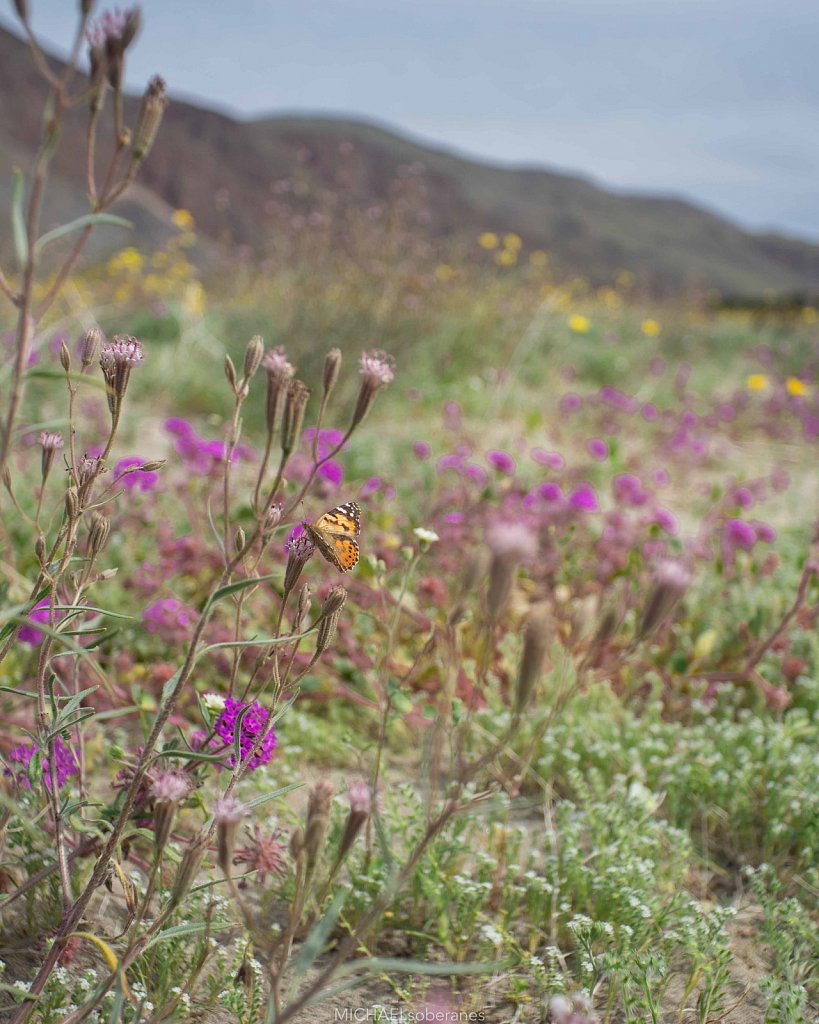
{"x":671,"y":580}
{"x":377,"y":371}
{"x":98,"y":535}
{"x":90,"y":345}
{"x":536,"y":636}
{"x":117,"y":359}
{"x":360,"y":796}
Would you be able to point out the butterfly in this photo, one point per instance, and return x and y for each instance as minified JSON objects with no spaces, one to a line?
{"x":335,"y":535}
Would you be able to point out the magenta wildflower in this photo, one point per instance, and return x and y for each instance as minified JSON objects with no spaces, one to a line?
{"x":39,"y":613}
{"x":501,"y":461}
{"x":109,"y":26}
{"x":550,"y":492}
{"x":65,"y":762}
{"x":477,"y":474}
{"x":743,"y":497}
{"x":138,"y":480}
{"x":740,"y":534}
{"x":665,"y":520}
{"x":422,"y":449}
{"x":169,"y":617}
{"x":253,"y":724}
{"x":570,"y":402}
{"x":764,"y":532}
{"x":598,"y":449}
{"x":585,"y":498}
{"x":331,"y":472}
{"x":554,"y":460}
{"x":650,"y":412}
{"x":628,"y":488}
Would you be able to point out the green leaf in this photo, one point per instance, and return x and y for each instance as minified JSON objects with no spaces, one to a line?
{"x":267,"y":797}
{"x":45,"y":373}
{"x":17,"y":220}
{"x":232,"y":588}
{"x":178,"y":931}
{"x":90,"y":219}
{"x":388,"y":965}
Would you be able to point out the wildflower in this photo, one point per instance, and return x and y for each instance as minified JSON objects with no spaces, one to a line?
{"x":584,"y":498}
{"x":98,"y":534}
{"x":554,"y":460}
{"x":650,"y":328}
{"x":214,"y":701}
{"x":513,"y":241}
{"x":265,"y":854}
{"x":41,"y":612}
{"x":488,"y":240}
{"x":169,"y":618}
{"x":501,"y":461}
{"x":598,"y":449}
{"x":550,"y":492}
{"x":422,"y":449}
{"x":253,"y":726}
{"x":579,"y":324}
{"x":117,"y":359}
{"x":377,"y":370}
{"x":740,"y":534}
{"x":138,"y":479}
{"x":189,"y":868}
{"x":332,"y":367}
{"x":426,"y":536}
{"x":757,"y":382}
{"x":796,"y":387}
{"x":65,"y":764}
{"x":629,"y":489}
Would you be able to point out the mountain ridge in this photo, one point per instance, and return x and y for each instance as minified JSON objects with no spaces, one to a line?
{"x":225,"y":170}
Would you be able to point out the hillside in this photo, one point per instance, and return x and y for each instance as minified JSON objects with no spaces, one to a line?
{"x":225,"y":171}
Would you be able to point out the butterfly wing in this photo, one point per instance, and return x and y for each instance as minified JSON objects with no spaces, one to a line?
{"x":335,"y":533}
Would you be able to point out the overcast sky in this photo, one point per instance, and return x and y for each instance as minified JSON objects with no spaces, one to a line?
{"x":717,"y":100}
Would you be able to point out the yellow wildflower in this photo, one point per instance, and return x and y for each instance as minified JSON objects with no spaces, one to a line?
{"x":182,"y":219}
{"x":810,"y":315}
{"x":488,"y":240}
{"x":579,"y":324}
{"x":650,"y":328}
{"x":506,"y":258}
{"x":444,"y":273}
{"x":756,"y":382}
{"x":538,"y":258}
{"x":513,"y":241}
{"x":797,"y":387}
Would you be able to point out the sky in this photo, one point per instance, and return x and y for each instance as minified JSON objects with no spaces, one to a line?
{"x":713,"y":100}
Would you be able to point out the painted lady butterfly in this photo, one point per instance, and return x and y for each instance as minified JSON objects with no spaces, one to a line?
{"x":335,"y":535}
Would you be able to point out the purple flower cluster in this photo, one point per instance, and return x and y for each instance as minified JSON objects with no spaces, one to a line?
{"x":201,"y":456}
{"x":254,"y":723}
{"x":169,"y":618}
{"x":39,"y":613}
{"x":136,"y":480}
{"x":65,"y":764}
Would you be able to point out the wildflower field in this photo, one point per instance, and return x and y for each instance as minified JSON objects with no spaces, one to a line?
{"x":392,"y":630}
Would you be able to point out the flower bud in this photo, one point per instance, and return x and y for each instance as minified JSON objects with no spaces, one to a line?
{"x":318,"y":821}
{"x":65,"y":357}
{"x":50,"y":444}
{"x":89,"y":346}
{"x":189,"y":868}
{"x":332,"y":366}
{"x":72,"y":503}
{"x":98,"y":535}
{"x":293,"y":416}
{"x":360,"y":807}
{"x":253,"y":357}
{"x":154,"y":104}
{"x":328,"y":620}
{"x":536,"y":635}
{"x":227,"y":812}
{"x":671,"y":580}
{"x":230,"y":373}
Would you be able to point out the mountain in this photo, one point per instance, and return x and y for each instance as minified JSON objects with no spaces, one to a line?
{"x":226,"y":171}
